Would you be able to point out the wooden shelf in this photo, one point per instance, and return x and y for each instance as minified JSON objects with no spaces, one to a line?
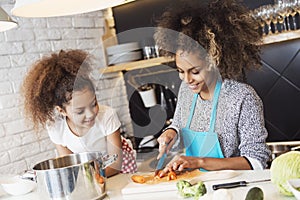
{"x":136,"y":65}
{"x":269,"y":39}
{"x":280,"y":37}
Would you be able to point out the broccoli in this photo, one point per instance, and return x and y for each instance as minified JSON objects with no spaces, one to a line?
{"x":182,"y":184}
{"x":186,"y":190}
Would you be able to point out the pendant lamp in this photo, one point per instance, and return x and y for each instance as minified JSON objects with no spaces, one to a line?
{"x":55,"y":8}
{"x":6,"y":22}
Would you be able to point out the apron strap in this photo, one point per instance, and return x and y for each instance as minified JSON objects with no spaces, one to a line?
{"x":192,"y":111}
{"x":214,"y":106}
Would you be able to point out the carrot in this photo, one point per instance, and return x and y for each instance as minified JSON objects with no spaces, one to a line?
{"x":138,"y":178}
{"x":159,"y":175}
{"x":99,"y":178}
{"x":171,"y":176}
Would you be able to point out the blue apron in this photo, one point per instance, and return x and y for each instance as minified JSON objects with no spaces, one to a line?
{"x":203,"y":144}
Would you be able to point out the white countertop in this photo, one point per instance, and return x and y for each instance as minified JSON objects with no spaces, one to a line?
{"x":270,"y":191}
{"x":116,"y":183}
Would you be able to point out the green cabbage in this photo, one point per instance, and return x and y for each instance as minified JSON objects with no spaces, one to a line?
{"x":283,"y":168}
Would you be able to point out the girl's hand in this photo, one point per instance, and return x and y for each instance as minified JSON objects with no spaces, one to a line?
{"x":166,"y":140}
{"x":114,"y":146}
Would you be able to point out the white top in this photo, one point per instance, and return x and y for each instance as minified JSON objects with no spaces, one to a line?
{"x":106,"y":123}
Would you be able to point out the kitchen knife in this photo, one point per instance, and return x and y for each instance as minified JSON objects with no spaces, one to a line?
{"x":236,"y":184}
{"x":160,"y":164}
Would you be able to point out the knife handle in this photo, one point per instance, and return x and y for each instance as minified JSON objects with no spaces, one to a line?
{"x":230,"y":185}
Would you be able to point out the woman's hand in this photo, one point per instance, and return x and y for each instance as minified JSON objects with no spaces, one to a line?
{"x":166,"y":140}
{"x":180,"y":162}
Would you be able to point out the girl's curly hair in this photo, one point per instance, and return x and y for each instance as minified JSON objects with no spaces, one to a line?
{"x":51,"y":81}
{"x":224,"y":29}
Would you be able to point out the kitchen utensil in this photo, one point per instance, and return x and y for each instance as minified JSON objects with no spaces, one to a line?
{"x":124,"y":57}
{"x":215,"y":175}
{"x":294,"y":185}
{"x":73,"y":177}
{"x":148,"y":97}
{"x":148,"y":141}
{"x":122,"y":48}
{"x":141,"y":190}
{"x":15,"y":185}
{"x":160,"y":164}
{"x":236,"y":184}
{"x":279,"y":148}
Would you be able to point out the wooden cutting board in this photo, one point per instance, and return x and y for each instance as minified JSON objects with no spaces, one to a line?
{"x":165,"y":186}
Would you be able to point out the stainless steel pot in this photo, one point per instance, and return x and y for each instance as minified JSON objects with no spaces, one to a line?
{"x":73,"y":177}
{"x":279,"y":148}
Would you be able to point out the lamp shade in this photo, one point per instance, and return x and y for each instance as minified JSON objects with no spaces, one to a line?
{"x":6,"y":22}
{"x":55,"y":8}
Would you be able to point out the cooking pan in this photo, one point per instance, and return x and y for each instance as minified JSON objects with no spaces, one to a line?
{"x":278,"y":149}
{"x":73,"y":177}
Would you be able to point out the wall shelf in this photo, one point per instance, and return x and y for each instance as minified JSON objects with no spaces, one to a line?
{"x":136,"y":65}
{"x":269,"y":39}
{"x":280,"y":37}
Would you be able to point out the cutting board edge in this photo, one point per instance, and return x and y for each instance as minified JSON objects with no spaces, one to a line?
{"x":133,"y":188}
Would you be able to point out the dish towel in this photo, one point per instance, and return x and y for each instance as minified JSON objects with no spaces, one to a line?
{"x":129,"y":157}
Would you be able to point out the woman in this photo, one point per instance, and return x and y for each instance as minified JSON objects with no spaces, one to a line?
{"x":219,"y":118}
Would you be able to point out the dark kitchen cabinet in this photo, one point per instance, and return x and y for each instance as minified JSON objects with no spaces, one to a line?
{"x":277,"y":83}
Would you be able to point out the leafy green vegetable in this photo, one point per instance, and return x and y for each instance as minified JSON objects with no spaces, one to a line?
{"x":255,"y":193}
{"x":186,"y":190}
{"x":283,"y":168}
{"x":182,"y":184}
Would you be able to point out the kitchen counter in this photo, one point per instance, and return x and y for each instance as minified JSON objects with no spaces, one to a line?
{"x":269,"y":189}
{"x":146,"y":163}
{"x":117,"y":183}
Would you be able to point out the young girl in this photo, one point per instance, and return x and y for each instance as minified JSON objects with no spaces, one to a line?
{"x":60,"y":96}
{"x":219,"y":118}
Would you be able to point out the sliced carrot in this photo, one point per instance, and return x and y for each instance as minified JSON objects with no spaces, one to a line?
{"x":99,"y":178}
{"x":138,"y":178}
{"x":171,"y":176}
{"x":161,"y":174}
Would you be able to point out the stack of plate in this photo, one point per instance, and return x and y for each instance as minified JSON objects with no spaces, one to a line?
{"x":123,"y":53}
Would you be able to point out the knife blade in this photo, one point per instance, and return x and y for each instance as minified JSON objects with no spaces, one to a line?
{"x":236,"y":184}
{"x":160,"y":164}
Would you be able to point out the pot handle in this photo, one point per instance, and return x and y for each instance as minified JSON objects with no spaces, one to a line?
{"x":108,"y":160}
{"x":29,"y":175}
{"x":295,"y":148}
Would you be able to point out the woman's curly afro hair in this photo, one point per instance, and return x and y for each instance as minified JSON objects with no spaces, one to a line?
{"x":225,"y":29}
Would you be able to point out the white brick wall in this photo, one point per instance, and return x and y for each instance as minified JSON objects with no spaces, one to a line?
{"x":20,"y":146}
